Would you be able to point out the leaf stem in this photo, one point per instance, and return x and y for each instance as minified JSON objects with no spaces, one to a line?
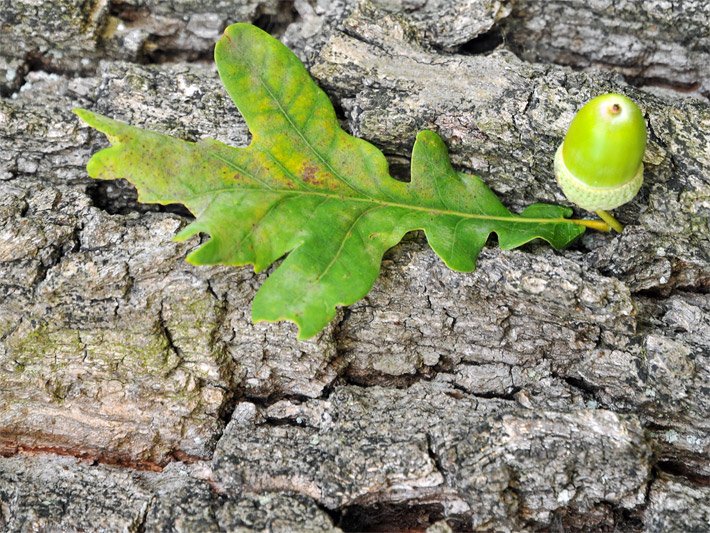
{"x":609,"y":219}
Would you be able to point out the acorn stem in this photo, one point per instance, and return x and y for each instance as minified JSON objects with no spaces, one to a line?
{"x":609,"y":219}
{"x":591,"y":224}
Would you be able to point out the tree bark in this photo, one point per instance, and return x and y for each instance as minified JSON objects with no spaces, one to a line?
{"x":547,"y":390}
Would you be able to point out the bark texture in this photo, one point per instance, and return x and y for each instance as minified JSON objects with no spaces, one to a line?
{"x":544,"y":391}
{"x":654,"y":42}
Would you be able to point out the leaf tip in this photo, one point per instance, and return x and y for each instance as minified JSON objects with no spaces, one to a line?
{"x":425,"y":135}
{"x":301,"y":336}
{"x":185,"y":233}
{"x":193,"y":257}
{"x":305,"y":331}
{"x":86,"y":116}
{"x":232,"y":33}
{"x":192,"y":261}
{"x":113,"y":129}
{"x":431,"y":138}
{"x":233,"y":29}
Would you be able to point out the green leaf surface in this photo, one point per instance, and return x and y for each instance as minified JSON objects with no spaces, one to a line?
{"x":306,"y":188}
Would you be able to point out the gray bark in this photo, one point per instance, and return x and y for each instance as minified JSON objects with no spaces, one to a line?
{"x":546,"y":390}
{"x":653,"y":42}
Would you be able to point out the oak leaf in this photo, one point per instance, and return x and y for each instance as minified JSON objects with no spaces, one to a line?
{"x":306,"y":188}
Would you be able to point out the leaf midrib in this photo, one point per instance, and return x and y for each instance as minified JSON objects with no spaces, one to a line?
{"x":410,"y":207}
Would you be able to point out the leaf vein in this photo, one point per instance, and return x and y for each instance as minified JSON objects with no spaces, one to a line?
{"x":307,"y":143}
{"x":344,"y":240}
{"x":236,"y":167}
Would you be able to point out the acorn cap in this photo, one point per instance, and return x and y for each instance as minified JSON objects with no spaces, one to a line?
{"x":599,"y":164}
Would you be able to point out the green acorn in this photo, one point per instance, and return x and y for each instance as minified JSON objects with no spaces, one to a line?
{"x":599,"y":164}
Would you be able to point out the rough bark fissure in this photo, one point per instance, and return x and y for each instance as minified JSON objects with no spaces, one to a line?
{"x":434,"y":456}
{"x":165,"y":332}
{"x":143,"y":517}
{"x":546,"y":390}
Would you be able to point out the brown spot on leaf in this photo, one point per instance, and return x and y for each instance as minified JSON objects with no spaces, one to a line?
{"x":310,"y":174}
{"x":238,"y":178}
